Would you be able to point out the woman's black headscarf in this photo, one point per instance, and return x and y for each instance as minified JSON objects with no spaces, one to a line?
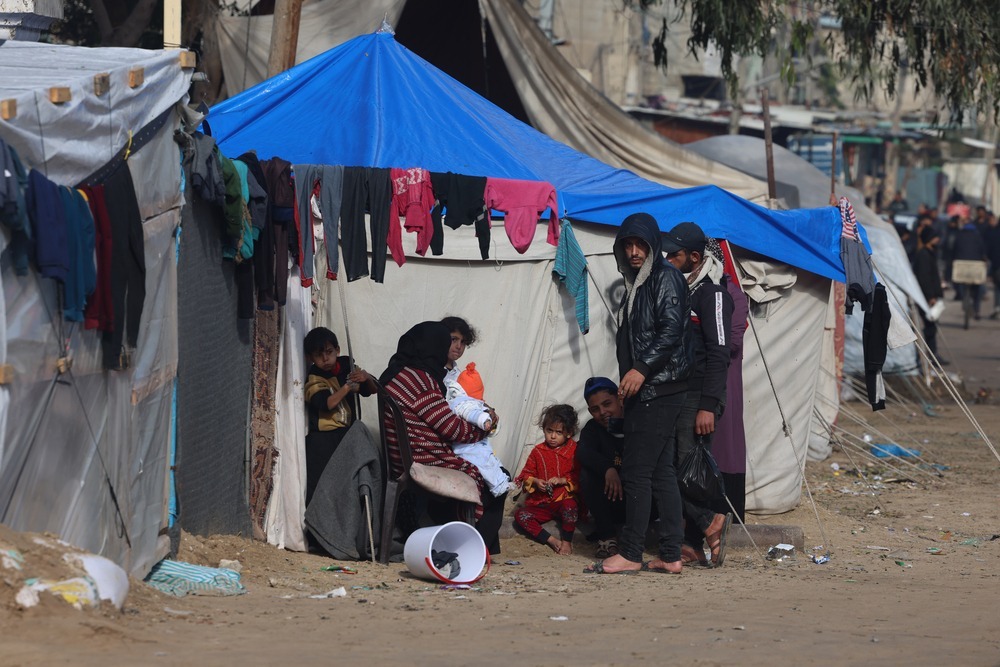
{"x":425,"y":346}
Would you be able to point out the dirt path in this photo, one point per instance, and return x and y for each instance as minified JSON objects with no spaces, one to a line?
{"x":913,"y":578}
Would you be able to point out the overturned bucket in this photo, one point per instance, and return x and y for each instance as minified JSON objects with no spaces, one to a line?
{"x":460,"y":541}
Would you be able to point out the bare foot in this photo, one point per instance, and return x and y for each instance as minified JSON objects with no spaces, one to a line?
{"x":565,"y":549}
{"x":554,"y":543}
{"x":659,"y":565}
{"x":619,"y":563}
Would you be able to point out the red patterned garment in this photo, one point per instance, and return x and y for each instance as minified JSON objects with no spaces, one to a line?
{"x":430,"y":423}
{"x":544,"y":463}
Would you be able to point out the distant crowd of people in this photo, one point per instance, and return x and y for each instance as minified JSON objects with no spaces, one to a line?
{"x":935,"y":242}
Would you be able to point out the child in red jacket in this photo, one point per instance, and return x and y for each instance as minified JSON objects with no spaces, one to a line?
{"x":551,"y":478}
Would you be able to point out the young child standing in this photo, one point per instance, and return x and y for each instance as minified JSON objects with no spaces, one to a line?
{"x":551,"y":477}
{"x":464,"y":392}
{"x":330,"y":391}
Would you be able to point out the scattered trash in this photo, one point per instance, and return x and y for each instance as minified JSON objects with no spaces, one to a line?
{"x":781,"y":551}
{"x":512,"y":562}
{"x":558,"y":618}
{"x":79,"y":591}
{"x":876,"y":548}
{"x":885,"y":450}
{"x":835,"y":466}
{"x":966,"y":514}
{"x":971,"y":542}
{"x":339,"y":568}
{"x":233,"y":565}
{"x":903,"y":563}
{"x":739,"y":627}
{"x":11,"y":559}
{"x":177,"y":612}
{"x":866,"y":438}
{"x":179,"y":579}
{"x":335,"y":593}
{"x":934,"y":551}
{"x":456,"y":587}
{"x":820,"y":560}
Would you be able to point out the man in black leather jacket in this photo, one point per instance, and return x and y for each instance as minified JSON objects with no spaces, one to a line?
{"x":654,"y":358}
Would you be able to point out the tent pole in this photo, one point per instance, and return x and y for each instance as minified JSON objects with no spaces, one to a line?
{"x":284,"y":36}
{"x":833,"y":168}
{"x":772,"y":190}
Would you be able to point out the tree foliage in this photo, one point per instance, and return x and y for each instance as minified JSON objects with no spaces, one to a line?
{"x":949,"y":45}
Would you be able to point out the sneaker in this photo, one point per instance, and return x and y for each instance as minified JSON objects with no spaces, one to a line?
{"x":607,"y":548}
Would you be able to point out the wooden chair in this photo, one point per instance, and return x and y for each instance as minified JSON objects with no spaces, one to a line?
{"x":395,"y":484}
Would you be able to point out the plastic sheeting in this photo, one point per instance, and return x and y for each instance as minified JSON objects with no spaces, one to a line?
{"x":244,"y":41}
{"x":564,"y":106}
{"x":69,"y":141}
{"x":394,"y":109}
{"x":86,"y":458}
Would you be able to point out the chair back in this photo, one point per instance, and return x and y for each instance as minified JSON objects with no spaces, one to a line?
{"x":391,"y":415}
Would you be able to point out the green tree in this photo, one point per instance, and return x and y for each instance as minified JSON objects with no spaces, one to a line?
{"x":950,"y":45}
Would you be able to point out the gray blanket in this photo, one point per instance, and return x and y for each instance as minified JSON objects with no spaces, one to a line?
{"x":336,"y":515}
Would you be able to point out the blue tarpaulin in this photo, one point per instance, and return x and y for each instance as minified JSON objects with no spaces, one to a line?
{"x":370,"y":102}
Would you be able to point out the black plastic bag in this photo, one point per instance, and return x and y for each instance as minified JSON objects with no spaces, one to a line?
{"x":698,"y":475}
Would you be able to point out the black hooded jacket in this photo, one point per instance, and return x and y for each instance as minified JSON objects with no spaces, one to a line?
{"x":654,"y":335}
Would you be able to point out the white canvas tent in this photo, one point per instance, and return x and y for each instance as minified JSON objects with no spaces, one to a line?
{"x":85,"y":453}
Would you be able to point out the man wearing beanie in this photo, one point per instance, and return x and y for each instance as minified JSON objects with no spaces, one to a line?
{"x":654,"y":360}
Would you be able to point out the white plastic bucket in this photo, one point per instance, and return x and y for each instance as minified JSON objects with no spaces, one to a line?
{"x":456,"y":537}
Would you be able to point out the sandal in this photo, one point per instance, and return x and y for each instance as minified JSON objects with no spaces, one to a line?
{"x":648,"y":567}
{"x":692,"y":556}
{"x":607,"y":548}
{"x":598,"y":568}
{"x":717,"y":540}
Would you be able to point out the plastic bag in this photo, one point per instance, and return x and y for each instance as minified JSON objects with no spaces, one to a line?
{"x":698,"y":475}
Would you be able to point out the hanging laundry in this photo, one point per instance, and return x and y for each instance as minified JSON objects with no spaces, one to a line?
{"x":858,"y":270}
{"x":98,"y":314}
{"x":263,"y":256}
{"x":571,"y":268}
{"x":13,"y":208}
{"x":234,"y":210}
{"x":330,"y":182}
{"x":523,"y":202}
{"x":281,"y":193}
{"x":49,"y":225}
{"x":82,"y":276}
{"x":462,"y":199}
{"x":248,"y":233}
{"x":365,"y":188}
{"x":412,"y":198}
{"x":128,"y":266}
{"x":873,"y":341}
{"x":206,"y":169}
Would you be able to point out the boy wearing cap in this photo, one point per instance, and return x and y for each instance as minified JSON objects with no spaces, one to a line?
{"x":599,"y":455}
{"x":711,"y":319}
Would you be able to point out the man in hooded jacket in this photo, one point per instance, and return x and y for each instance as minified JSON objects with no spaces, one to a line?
{"x":655,"y":357}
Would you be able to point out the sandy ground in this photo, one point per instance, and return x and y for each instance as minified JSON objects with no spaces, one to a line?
{"x":913,"y":576}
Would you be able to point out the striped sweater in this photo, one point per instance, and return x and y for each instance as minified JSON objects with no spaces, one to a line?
{"x":430,"y":423}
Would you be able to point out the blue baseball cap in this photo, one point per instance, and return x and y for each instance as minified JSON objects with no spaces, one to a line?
{"x":596,"y":384}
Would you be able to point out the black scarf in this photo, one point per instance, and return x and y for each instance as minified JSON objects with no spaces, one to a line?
{"x":425,"y":347}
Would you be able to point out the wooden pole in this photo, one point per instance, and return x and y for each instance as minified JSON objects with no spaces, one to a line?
{"x":171,"y":24}
{"x":284,"y":36}
{"x":833,"y":166}
{"x":772,"y":190}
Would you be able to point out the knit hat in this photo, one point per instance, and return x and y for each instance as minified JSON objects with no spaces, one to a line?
{"x":472,"y":381}
{"x":596,"y":384}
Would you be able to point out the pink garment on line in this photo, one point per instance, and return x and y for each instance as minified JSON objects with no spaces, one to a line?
{"x":523,"y":202}
{"x":413,"y":198}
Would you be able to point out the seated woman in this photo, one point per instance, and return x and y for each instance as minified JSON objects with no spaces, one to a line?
{"x":415,"y":380}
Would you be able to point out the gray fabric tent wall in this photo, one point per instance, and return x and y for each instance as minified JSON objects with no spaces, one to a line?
{"x":213,"y":388}
{"x":86,"y":453}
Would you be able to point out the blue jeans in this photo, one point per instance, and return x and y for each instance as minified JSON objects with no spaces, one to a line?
{"x":648,"y":474}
